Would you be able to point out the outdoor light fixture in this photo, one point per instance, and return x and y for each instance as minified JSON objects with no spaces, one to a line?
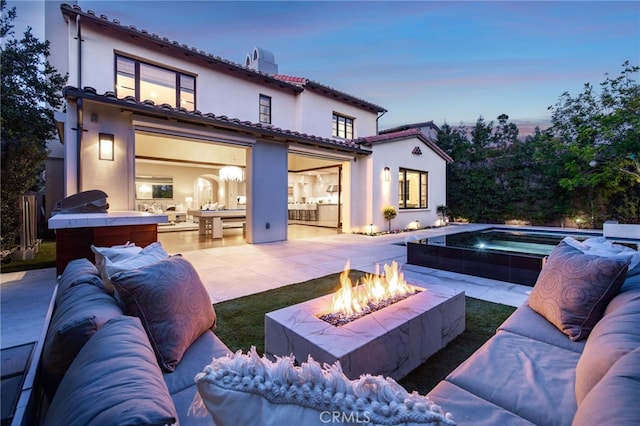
{"x":231,"y":173}
{"x":105,"y":146}
{"x":387,"y":174}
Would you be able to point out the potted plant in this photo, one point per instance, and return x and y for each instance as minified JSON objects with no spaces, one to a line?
{"x":389,"y":213}
{"x":443,"y":212}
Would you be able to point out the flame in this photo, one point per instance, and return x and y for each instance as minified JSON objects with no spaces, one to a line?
{"x":350,"y":300}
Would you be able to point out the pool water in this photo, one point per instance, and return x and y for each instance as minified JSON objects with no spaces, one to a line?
{"x":537,"y":243}
{"x":503,"y":254}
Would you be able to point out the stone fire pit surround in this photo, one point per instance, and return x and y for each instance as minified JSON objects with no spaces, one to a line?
{"x":389,"y":342}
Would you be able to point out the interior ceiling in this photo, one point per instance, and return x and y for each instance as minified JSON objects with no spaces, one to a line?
{"x":195,"y":153}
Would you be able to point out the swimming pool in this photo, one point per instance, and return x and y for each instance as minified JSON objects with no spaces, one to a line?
{"x":504,"y":254}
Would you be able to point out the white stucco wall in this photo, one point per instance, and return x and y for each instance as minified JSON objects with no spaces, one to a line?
{"x":316,"y":115}
{"x":397,"y":154}
{"x":360,"y":187}
{"x":116,"y":178}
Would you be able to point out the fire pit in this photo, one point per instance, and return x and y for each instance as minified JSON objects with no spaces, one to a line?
{"x":390,"y":341}
{"x":375,"y":292}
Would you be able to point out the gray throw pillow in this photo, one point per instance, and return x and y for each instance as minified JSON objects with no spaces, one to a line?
{"x":574,"y":288}
{"x":114,"y":380}
{"x":172,"y":303}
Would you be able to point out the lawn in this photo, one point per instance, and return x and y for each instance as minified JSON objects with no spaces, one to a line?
{"x":45,"y":258}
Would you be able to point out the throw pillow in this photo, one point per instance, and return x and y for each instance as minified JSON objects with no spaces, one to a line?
{"x":240,"y":389}
{"x":114,"y":380}
{"x":115,"y":253}
{"x":600,"y":246}
{"x":124,"y":262}
{"x":172,"y":303}
{"x":573,"y":289}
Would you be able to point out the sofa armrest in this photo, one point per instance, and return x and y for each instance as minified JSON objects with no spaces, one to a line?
{"x":31,"y":395}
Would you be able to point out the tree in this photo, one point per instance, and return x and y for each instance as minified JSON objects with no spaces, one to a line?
{"x":600,"y":134}
{"x":389,"y":213}
{"x":30,"y":92}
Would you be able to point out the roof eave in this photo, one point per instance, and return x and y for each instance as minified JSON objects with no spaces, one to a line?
{"x":431,"y":144}
{"x":220,"y":122}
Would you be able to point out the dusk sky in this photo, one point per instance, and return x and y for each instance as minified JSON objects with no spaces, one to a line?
{"x":421,"y":60}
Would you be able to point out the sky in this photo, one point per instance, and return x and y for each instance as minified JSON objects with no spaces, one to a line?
{"x":447,"y":61}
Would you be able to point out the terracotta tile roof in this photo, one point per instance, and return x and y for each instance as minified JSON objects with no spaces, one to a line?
{"x":390,"y":136}
{"x":429,"y":123}
{"x":265,"y":131}
{"x":406,"y":134}
{"x":329,"y":91}
{"x":291,"y":79}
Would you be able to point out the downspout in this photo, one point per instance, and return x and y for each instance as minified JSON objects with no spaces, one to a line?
{"x":80,"y":111}
{"x":79,"y":131}
{"x":378,"y":118}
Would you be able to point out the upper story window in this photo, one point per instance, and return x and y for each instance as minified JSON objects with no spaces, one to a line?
{"x":149,"y":82}
{"x":413,"y":189}
{"x":342,"y":126}
{"x":265,"y":109}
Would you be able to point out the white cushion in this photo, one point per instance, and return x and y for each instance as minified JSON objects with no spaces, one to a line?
{"x":600,"y":246}
{"x":145,"y":257}
{"x":115,"y":253}
{"x":245,"y":389}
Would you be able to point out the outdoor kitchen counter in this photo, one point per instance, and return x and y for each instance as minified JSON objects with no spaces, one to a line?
{"x":115,"y":218}
{"x":76,"y":232}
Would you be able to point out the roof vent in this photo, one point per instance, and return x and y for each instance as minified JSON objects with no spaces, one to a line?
{"x":262,"y":60}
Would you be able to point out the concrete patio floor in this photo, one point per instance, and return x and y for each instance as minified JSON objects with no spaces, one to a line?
{"x":231,"y":271}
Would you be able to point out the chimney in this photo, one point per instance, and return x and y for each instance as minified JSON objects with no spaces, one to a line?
{"x":262,"y":60}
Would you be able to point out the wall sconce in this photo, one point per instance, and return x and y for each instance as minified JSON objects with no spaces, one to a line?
{"x":105,"y":146}
{"x":387,"y":174}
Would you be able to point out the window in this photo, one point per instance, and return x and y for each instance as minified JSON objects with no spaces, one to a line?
{"x":265,"y":109}
{"x":149,"y":82}
{"x":342,"y":126}
{"x":412,"y":189}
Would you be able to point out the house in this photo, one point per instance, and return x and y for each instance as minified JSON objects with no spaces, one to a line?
{"x":156,"y":124}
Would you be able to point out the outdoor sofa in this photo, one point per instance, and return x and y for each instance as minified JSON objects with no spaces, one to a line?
{"x":100,"y":366}
{"x":120,"y":350}
{"x":570,"y":355}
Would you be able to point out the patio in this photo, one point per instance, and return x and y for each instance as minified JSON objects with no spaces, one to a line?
{"x":231,"y":269}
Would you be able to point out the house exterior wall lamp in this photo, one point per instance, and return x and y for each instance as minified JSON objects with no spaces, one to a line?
{"x":105,"y":146}
{"x":387,"y":174}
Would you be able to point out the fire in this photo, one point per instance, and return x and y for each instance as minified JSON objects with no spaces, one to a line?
{"x":370,"y":290}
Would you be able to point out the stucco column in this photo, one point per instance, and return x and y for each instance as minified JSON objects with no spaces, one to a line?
{"x":267,"y":215}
